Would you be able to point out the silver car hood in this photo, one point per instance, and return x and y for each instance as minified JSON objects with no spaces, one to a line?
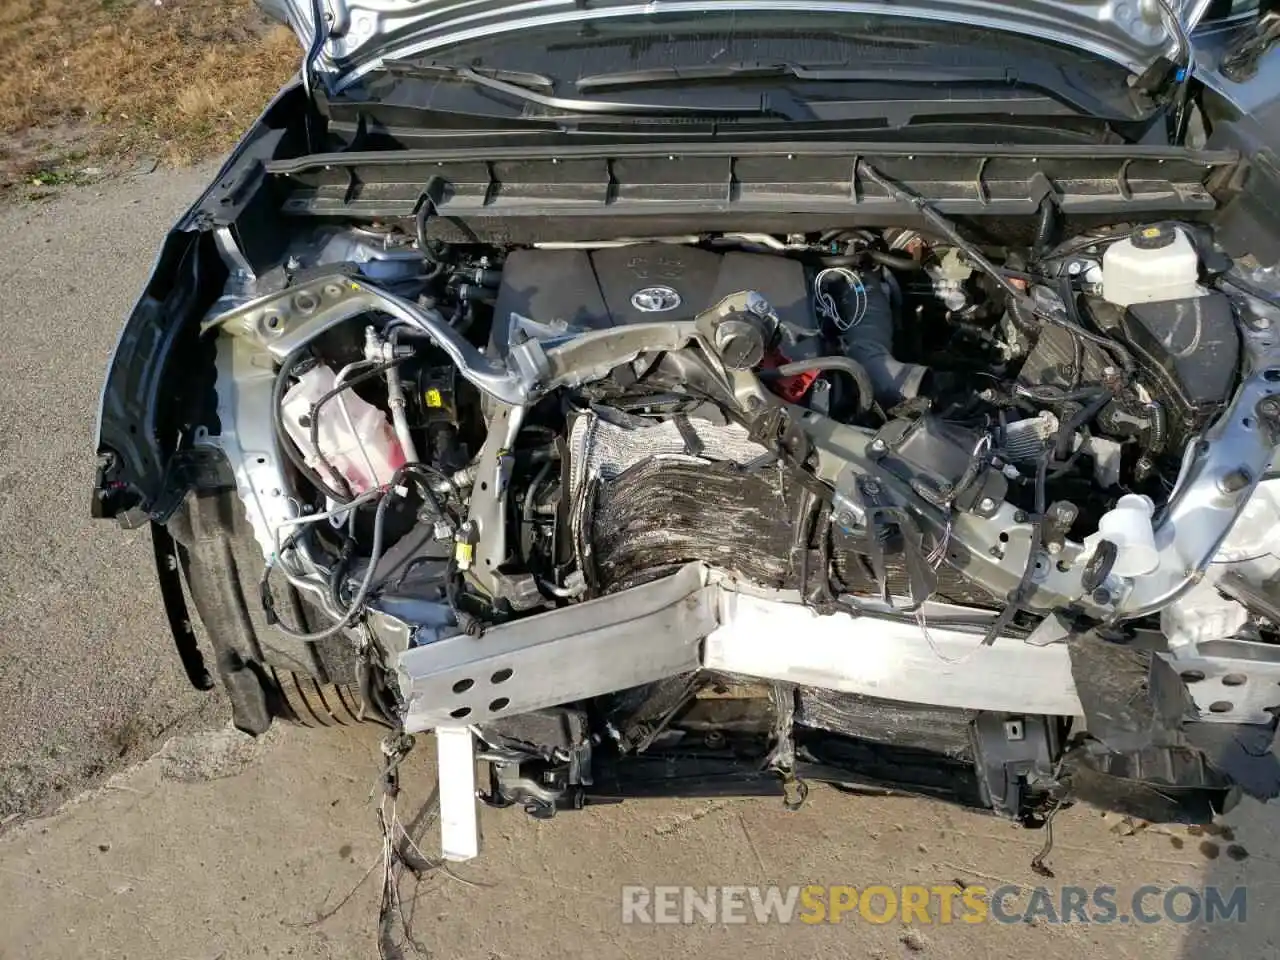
{"x":359,"y":35}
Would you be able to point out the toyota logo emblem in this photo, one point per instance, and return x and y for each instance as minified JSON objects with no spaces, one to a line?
{"x":655,"y":299}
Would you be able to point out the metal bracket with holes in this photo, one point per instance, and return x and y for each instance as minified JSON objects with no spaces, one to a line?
{"x":284,"y":321}
{"x":583,"y":651}
{"x":1231,"y":689}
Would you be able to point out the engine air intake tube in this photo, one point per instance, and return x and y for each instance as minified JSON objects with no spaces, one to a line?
{"x":868,"y":339}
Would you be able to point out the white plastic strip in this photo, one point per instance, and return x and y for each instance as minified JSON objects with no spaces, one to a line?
{"x":456,"y":770}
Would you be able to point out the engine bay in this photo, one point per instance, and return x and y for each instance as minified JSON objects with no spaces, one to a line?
{"x":1032,"y":432}
{"x":747,"y":503}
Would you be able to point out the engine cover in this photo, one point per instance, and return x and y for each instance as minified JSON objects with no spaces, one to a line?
{"x":642,"y":283}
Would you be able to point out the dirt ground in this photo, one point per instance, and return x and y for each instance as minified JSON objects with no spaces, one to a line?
{"x":88,"y":678}
{"x":94,"y":85}
{"x":222,"y":847}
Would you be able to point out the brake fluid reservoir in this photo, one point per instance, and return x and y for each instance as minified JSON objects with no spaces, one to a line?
{"x":1152,"y":264}
{"x":354,"y":435}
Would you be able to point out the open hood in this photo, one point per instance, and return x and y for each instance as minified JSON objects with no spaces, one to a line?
{"x":358,"y":35}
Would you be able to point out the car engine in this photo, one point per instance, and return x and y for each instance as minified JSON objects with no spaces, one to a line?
{"x":619,"y":506}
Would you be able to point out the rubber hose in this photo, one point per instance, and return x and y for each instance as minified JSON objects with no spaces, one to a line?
{"x":895,"y":261}
{"x":1046,"y":226}
{"x":1157,"y":436}
{"x":1080,"y":418}
{"x":869,"y":341}
{"x":426,"y":208}
{"x":843,"y":260}
{"x":866,"y":392}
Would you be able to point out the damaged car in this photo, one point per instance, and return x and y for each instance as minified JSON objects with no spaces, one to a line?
{"x":672,"y":399}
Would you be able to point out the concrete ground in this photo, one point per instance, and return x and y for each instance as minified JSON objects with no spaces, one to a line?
{"x":221,"y":847}
{"x":86,"y":665}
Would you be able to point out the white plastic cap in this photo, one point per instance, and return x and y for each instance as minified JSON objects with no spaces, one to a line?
{"x":1128,"y":526}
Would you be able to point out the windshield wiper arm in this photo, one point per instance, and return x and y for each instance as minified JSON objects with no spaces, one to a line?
{"x":575,"y":104}
{"x":537,"y":81}
{"x":919,"y":73}
{"x":1044,"y":78}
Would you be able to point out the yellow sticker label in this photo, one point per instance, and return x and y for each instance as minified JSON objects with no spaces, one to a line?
{"x":434,"y":399}
{"x":1151,"y":232}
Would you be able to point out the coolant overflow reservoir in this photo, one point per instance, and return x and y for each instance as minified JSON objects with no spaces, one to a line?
{"x":1128,"y":526}
{"x":1152,"y":264}
{"x":353,"y":434}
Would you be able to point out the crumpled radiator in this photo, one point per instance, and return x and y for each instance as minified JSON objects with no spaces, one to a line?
{"x":644,"y":504}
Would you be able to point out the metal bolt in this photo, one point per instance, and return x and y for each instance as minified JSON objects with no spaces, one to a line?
{"x":986,"y":505}
{"x":1255,"y":322}
{"x":1074,"y":267}
{"x":1055,"y":548}
{"x":1236,"y":480}
{"x":871,"y":486}
{"x":293,"y":263}
{"x":1102,"y":596}
{"x":876,"y":446}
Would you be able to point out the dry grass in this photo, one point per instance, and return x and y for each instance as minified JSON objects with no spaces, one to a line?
{"x":110,"y":80}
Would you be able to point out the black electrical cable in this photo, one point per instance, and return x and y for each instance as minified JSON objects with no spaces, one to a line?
{"x":1068,"y":293}
{"x":1048,"y":393}
{"x":1122,"y":356}
{"x":946,"y":228}
{"x":426,"y":208}
{"x":470,"y":625}
{"x":1117,"y":350}
{"x":325,"y":398}
{"x":335,"y":586}
{"x":1076,"y":244}
{"x":1019,"y":299}
{"x":428,"y":470}
{"x":1067,"y":432}
{"x":362,"y":594}
{"x":338,"y":572}
{"x":284,"y":444}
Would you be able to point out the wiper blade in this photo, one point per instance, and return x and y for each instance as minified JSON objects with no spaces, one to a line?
{"x":519,"y":77}
{"x":519,"y":91}
{"x":1044,"y":78}
{"x":918,"y":73}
